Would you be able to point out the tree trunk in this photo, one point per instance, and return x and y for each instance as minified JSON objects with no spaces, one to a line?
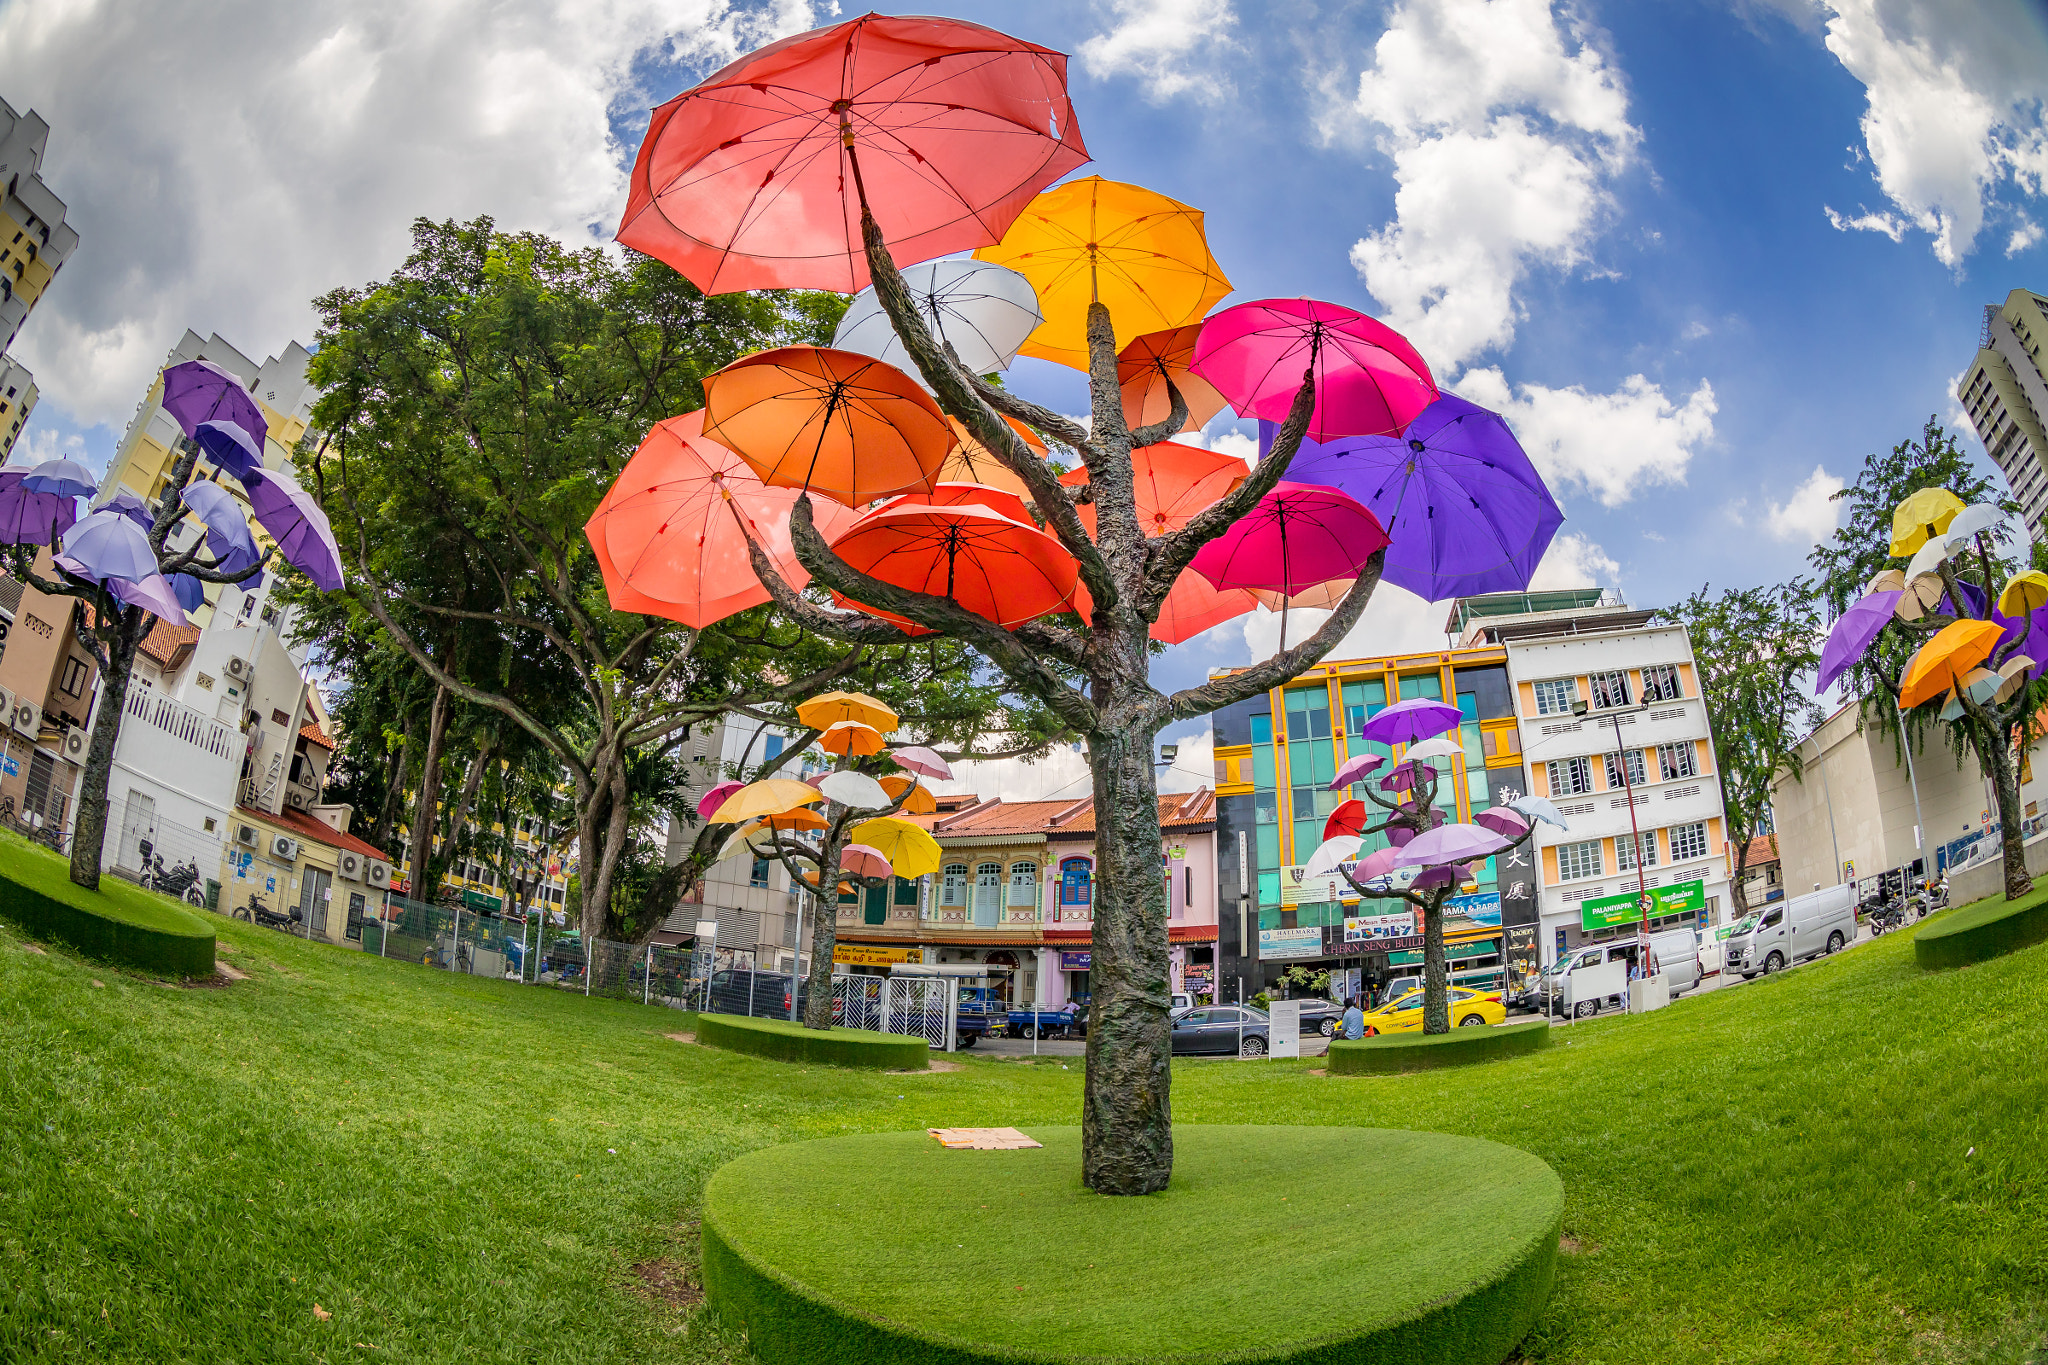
{"x":1737,"y":892}
{"x":1436,"y":975}
{"x":426,"y":809}
{"x":824,"y":929}
{"x":1126,"y":1116}
{"x":457,"y":818}
{"x":1997,"y":757}
{"x":394,"y":789}
{"x":89,"y":828}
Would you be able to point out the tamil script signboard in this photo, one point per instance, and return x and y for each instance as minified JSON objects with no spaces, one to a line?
{"x":1609,"y":912}
{"x":1286,"y":943}
{"x":873,"y":955}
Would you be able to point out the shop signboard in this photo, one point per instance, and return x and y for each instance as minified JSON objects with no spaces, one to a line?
{"x":872,"y":955}
{"x":1286,"y":943}
{"x":1336,"y":945}
{"x":1522,"y":956}
{"x":1296,"y":889}
{"x":1609,"y":912}
{"x":482,"y":904}
{"x":1483,"y":908}
{"x":1198,"y":978}
{"x":1367,"y":929}
{"x":1072,"y":960}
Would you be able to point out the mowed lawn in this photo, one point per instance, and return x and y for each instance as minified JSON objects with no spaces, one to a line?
{"x":347,"y":1159}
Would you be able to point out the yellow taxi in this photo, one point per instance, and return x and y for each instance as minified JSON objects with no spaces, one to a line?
{"x":1403,"y":1014}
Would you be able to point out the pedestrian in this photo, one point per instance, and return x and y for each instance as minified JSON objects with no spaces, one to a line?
{"x":1354,"y":1021}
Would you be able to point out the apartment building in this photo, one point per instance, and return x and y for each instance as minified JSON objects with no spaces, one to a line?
{"x":2006,"y":394}
{"x":35,"y":241}
{"x":47,"y":684}
{"x":17,"y":401}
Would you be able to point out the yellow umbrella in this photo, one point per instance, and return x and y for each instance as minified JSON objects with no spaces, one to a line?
{"x":909,"y":849}
{"x":852,"y":738}
{"x":1143,"y":255}
{"x":2025,"y":592}
{"x":1947,"y":660}
{"x":775,"y":796}
{"x":1924,"y":514}
{"x":829,"y":708}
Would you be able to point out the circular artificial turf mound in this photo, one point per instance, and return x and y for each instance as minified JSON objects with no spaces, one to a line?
{"x":1990,"y":928}
{"x":791,"y":1042}
{"x":119,"y":923}
{"x":1392,"y":1052}
{"x":887,"y":1247}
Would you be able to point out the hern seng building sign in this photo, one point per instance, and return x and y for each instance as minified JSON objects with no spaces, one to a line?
{"x":1610,"y":912}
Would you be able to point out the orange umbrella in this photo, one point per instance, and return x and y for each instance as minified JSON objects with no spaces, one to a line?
{"x":1004,"y":570}
{"x":671,"y":532}
{"x":1172,"y":482}
{"x":1322,"y":596}
{"x":1144,"y":366}
{"x":800,"y":818}
{"x":1194,"y":605}
{"x":916,"y":800}
{"x":974,"y":462}
{"x":852,"y":738}
{"x":1947,"y":660}
{"x":845,"y":425}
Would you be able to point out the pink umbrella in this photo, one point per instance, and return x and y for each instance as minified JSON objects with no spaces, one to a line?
{"x":1297,"y":534}
{"x":1355,"y":767}
{"x":1502,"y":820}
{"x":1376,"y":864}
{"x":1369,"y":380}
{"x":859,"y":860}
{"x":1451,"y":844}
{"x":715,"y":798}
{"x":918,"y":759}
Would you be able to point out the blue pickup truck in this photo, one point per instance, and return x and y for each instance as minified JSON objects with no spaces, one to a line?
{"x":981,"y":1012}
{"x":1069,"y":1021}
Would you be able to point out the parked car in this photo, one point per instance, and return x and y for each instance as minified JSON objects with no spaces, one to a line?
{"x":1321,"y":1016}
{"x":1220,"y":1030}
{"x":1822,"y":921}
{"x":1403,"y":1014}
{"x":765,"y":995}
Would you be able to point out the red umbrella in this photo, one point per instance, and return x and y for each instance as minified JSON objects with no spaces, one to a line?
{"x":1369,"y":380}
{"x":1193,"y":604}
{"x":1350,"y":817}
{"x":967,"y":495}
{"x":945,"y":129}
{"x":1172,"y":482}
{"x":1144,"y":367}
{"x":1006,"y":571}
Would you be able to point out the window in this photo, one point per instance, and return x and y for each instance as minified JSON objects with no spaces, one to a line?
{"x":988,"y":891}
{"x":1609,"y":689}
{"x":1076,"y":888}
{"x":1570,"y":776}
{"x":1579,"y":860}
{"x":760,"y":873}
{"x":74,"y":677}
{"x":1555,"y":697}
{"x":1624,"y":851}
{"x":1676,"y":761}
{"x":1024,"y":885}
{"x":1308,"y":713}
{"x":1688,"y":841}
{"x":771,"y":746}
{"x":906,"y":891}
{"x":1632,"y":759}
{"x":1660,"y":683}
{"x":953,"y":884}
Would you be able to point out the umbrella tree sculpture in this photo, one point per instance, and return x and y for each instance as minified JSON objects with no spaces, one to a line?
{"x":132,"y":564}
{"x":1111,"y":264}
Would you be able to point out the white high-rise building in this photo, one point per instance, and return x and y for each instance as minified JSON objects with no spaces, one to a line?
{"x":2006,"y":394}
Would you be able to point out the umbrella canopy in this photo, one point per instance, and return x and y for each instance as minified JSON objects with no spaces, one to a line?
{"x":1447,"y":875}
{"x":1193,"y":604}
{"x":297,"y":524}
{"x":1399,"y":835}
{"x":911,"y":850}
{"x":2024,"y":593}
{"x":1005,"y":571}
{"x":946,"y":129}
{"x":715,"y":798}
{"x":773,"y":796}
{"x":222,"y":515}
{"x":1969,"y":523}
{"x":1375,"y":865}
{"x":60,"y":478}
{"x":1172,"y":484}
{"x":903,"y":787}
{"x":1369,"y":380}
{"x":129,"y":504}
{"x":1503,"y":820}
{"x":1854,"y":631}
{"x":982,"y":310}
{"x":801,"y":818}
{"x":1355,"y":767}
{"x":998,"y":500}
{"x":1885,"y":580}
{"x":107,"y":545}
{"x":1315,"y":597}
{"x":1443,"y":746}
{"x":925,"y":762}
{"x":858,"y":860}
{"x":1350,"y":817}
{"x":1149,"y":363}
{"x":855,"y":789}
{"x":1146,"y":257}
{"x":974,"y":463}
{"x":829,"y":708}
{"x":1536,"y":808}
{"x":1947,"y":659}
{"x":1331,"y":854}
{"x":1465,"y":510}
{"x":1451,"y":844}
{"x":740,"y":839}
{"x":833,"y":422}
{"x":851,"y":738}
{"x":229,"y":446}
{"x":154,"y":594}
{"x":189,"y":591}
{"x":197,"y":391}
{"x":1296,"y":535}
{"x":2012,"y":676}
{"x":1407,"y":721}
{"x":1920,"y":596}
{"x":1926,"y":513}
{"x":1927,"y":560}
{"x":31,"y":518}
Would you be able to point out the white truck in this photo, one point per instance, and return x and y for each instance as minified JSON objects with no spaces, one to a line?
{"x":1822,"y":921}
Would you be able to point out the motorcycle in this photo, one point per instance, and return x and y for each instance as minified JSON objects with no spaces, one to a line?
{"x":180,"y":882}
{"x":256,"y":912}
{"x":1885,"y":915}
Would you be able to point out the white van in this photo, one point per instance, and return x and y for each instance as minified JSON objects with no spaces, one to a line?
{"x":1677,"y":953}
{"x":1822,"y":921}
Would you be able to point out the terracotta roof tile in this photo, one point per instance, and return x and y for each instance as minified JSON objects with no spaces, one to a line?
{"x":319,"y":831}
{"x":994,"y":817}
{"x":313,"y":732}
{"x":165,"y":642}
{"x":1762,"y":849}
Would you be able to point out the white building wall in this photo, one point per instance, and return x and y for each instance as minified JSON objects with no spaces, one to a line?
{"x":172,"y":783}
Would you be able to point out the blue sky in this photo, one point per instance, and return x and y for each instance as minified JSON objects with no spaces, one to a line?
{"x":1705,"y":254}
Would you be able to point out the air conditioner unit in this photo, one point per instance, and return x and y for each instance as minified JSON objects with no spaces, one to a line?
{"x":26,"y":717}
{"x":6,"y":702}
{"x":75,"y":742}
{"x":284,"y":847}
{"x":380,"y":873}
{"x":351,"y":866}
{"x":297,"y":800}
{"x":239,"y":669}
{"x":247,"y":835}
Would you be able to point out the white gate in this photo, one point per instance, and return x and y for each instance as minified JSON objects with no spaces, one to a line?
{"x":918,"y":1006}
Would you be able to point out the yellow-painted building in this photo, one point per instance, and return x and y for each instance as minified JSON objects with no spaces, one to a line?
{"x":35,"y":241}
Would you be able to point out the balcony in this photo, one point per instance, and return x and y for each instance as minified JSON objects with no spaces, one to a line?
{"x":181,"y":722}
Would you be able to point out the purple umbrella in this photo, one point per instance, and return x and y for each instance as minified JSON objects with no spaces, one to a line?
{"x":225,"y":526}
{"x":130,"y":505}
{"x":1451,"y":844}
{"x":230,"y":447}
{"x":1466,"y":510}
{"x":108,"y":545}
{"x":1400,"y":835}
{"x":1854,"y":631}
{"x":1407,"y":721}
{"x":1375,"y":864}
{"x":155,"y":595}
{"x":201,"y":391}
{"x":297,"y":524}
{"x":189,"y":591}
{"x":1355,"y":767}
{"x":1502,"y":820}
{"x":28,"y":517}
{"x":63,"y":478}
{"x":1450,"y":875}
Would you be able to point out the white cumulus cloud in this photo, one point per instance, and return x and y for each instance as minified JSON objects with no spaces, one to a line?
{"x":1168,"y":45}
{"x":1610,"y":444}
{"x":1573,"y":561}
{"x":1809,"y":515}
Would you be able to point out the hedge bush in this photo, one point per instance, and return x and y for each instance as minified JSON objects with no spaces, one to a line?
{"x":1391,"y":1052}
{"x":1979,"y":932}
{"x":786,"y":1041}
{"x":874,"y":1249}
{"x":119,"y":923}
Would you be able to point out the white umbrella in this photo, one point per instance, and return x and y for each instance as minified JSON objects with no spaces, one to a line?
{"x":1927,"y":560}
{"x":985,"y":310}
{"x":1922,"y":595}
{"x":1443,"y":746}
{"x":1981,"y":516}
{"x":1536,"y":808}
{"x":738,"y":839}
{"x":1333,"y":854}
{"x":855,"y":789}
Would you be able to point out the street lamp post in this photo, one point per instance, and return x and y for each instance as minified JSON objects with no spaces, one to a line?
{"x":1614,"y":715}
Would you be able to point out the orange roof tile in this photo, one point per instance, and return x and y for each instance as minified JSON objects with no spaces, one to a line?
{"x":313,"y":732}
{"x":1762,"y":849}
{"x":165,"y":642}
{"x":318,"y":830}
{"x":996,"y":817}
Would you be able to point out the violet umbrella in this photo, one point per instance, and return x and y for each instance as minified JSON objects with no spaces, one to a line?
{"x":200,"y":391}
{"x":1451,"y":844}
{"x":61,"y":478}
{"x":1400,"y":836}
{"x":1503,"y":820}
{"x":1355,"y":767}
{"x":1854,"y":631}
{"x":28,"y":517}
{"x":1368,"y":379}
{"x":225,"y":526}
{"x":130,"y":504}
{"x":297,"y":524}
{"x":154,"y":594}
{"x":1449,"y":874}
{"x":230,"y":447}
{"x":1296,"y":535}
{"x":715,"y":798}
{"x":1407,"y":721}
{"x":1466,"y":510}
{"x":108,"y":545}
{"x":189,"y":591}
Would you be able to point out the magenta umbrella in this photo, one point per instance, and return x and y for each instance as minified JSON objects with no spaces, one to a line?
{"x":715,"y":798}
{"x":1407,"y":721}
{"x":1369,"y":380}
{"x":1354,"y":768}
{"x":1375,"y":864}
{"x":1451,"y":844}
{"x":28,"y":517}
{"x":200,"y":391}
{"x":1297,"y":535}
{"x":1502,"y":820}
{"x":1853,"y":633}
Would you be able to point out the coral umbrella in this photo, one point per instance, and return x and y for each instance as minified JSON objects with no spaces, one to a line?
{"x":1172,"y":484}
{"x":1921,"y":517}
{"x":998,"y":500}
{"x":802,"y":818}
{"x":829,"y":708}
{"x":916,"y":758}
{"x":1355,"y":767}
{"x":1350,"y":817}
{"x":771,"y":796}
{"x":1408,"y":721}
{"x":835,"y":422}
{"x":1296,"y":535}
{"x":1315,"y":597}
{"x":858,"y":860}
{"x":851,"y":738}
{"x":31,"y":518}
{"x":1003,"y":570}
{"x":1193,"y":604}
{"x":982,"y":310}
{"x":911,"y":850}
{"x":1146,"y":366}
{"x":945,"y":129}
{"x":197,"y":391}
{"x":1946,"y":660}
{"x":1854,"y":631}
{"x":1142,"y":255}
{"x":713,"y":799}
{"x":1369,"y":380}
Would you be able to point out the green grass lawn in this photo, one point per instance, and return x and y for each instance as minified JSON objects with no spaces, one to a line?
{"x":1844,"y":1163}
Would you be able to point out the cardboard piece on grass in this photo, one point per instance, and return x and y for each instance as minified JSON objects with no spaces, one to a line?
{"x":983,"y":1139}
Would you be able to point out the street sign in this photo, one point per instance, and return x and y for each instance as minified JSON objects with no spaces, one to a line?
{"x":1609,"y":912}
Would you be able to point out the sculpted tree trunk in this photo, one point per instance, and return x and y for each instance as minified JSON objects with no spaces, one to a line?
{"x":89,"y":830}
{"x":1436,"y":972}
